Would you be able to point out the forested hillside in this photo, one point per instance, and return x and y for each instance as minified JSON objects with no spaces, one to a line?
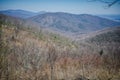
{"x":27,"y":53}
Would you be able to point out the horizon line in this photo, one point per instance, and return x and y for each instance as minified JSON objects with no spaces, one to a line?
{"x":55,"y":12}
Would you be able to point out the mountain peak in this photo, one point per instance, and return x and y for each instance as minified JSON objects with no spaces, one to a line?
{"x":72,"y":22}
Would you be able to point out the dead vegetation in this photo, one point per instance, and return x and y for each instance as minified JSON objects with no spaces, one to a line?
{"x":29,"y":55}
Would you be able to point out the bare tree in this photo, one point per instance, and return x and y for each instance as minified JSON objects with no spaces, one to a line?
{"x":51,"y":59}
{"x":108,"y":2}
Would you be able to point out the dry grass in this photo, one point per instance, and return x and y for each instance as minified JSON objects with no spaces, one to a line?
{"x":32,"y":58}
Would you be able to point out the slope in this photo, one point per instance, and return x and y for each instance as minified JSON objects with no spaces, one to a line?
{"x":65,"y":22}
{"x":28,"y":54}
{"x":18,"y":13}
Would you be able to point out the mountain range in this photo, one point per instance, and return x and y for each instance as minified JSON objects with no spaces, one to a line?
{"x":20,"y":13}
{"x":115,"y":17}
{"x":36,"y":46}
{"x":60,"y":22}
{"x":73,"y":23}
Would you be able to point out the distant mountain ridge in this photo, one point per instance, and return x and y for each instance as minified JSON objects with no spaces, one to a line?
{"x":20,"y":13}
{"x":60,"y":22}
{"x":73,"y":23}
{"x":115,"y":17}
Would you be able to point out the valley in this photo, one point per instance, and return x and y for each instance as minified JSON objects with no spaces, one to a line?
{"x":58,"y":46}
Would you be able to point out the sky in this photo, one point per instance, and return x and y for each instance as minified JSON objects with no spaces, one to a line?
{"x":70,"y":6}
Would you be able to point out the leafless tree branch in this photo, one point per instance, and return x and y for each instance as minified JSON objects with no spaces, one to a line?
{"x":108,"y":2}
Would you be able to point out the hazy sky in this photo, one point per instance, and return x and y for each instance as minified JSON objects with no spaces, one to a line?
{"x":72,"y":6}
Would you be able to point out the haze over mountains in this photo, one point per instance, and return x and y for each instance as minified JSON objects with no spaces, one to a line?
{"x":61,"y":22}
{"x":20,"y":13}
{"x":36,"y":46}
{"x":111,"y":16}
{"x":73,"y":23}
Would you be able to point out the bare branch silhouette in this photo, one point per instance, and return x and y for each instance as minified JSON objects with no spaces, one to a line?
{"x":108,"y":2}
